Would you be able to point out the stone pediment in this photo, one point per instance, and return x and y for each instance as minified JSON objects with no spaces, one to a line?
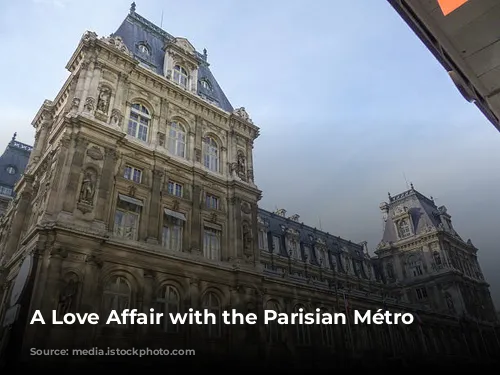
{"x":185,"y":45}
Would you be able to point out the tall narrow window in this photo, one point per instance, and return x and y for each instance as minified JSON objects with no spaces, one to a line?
{"x":168,"y":302}
{"x":116,"y":296}
{"x":172,"y":233}
{"x":139,"y":122}
{"x":273,"y":328}
{"x":180,"y":76}
{"x":211,"y":154}
{"x":211,"y":244}
{"x":127,"y":217}
{"x":212,"y":304}
{"x":177,"y":140}
{"x":415,"y":265}
{"x":263,"y":240}
{"x":302,"y":331}
{"x":404,"y":229}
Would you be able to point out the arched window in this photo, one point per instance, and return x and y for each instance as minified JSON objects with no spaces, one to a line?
{"x":143,"y":48}
{"x":180,"y":76}
{"x":177,"y":140}
{"x":302,"y":331}
{"x":212,"y":304}
{"x":211,"y":154}
{"x":116,"y":295}
{"x":404,"y":229}
{"x":415,"y":265}
{"x":326,"y":332}
{"x":273,"y":328}
{"x":206,"y":85}
{"x":168,"y":302}
{"x":139,"y":122}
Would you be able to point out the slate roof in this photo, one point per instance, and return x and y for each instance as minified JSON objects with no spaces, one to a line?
{"x":16,"y":155}
{"x":422,"y":210}
{"x":308,"y":234}
{"x":136,"y":30}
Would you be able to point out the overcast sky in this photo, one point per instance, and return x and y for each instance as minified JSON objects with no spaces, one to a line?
{"x":350,"y":103}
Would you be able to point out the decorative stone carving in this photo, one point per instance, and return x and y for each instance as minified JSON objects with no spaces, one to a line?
{"x":87,"y":191}
{"x":88,"y":36}
{"x":242,"y":113}
{"x":250,"y":175}
{"x":241,"y":165}
{"x":116,"y":117}
{"x":67,"y":295}
{"x":95,"y":153}
{"x":75,"y":103}
{"x":175,"y":205}
{"x":246,"y":208}
{"x":295,"y":217}
{"x":117,"y":43}
{"x":89,"y":104}
{"x":213,"y":217}
{"x":132,"y":191}
{"x":247,"y":239}
{"x":103,"y":100}
{"x":280,"y":212}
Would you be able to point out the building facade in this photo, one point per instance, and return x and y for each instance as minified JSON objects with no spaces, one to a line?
{"x":139,"y":193}
{"x":12,"y":164}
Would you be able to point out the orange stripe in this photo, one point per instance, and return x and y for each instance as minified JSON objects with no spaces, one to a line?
{"x":448,"y":6}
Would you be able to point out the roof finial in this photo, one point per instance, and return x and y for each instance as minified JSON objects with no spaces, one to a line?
{"x":389,"y":195}
{"x":14,"y":137}
{"x":411,"y":185}
{"x":132,"y":7}
{"x":205,"y":53}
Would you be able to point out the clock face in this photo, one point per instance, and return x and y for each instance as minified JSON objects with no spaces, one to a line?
{"x":21,"y":280}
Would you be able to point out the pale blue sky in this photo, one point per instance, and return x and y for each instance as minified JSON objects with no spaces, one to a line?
{"x":347,"y":98}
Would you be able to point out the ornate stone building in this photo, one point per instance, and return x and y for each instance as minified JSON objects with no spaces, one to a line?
{"x":139,"y":193}
{"x":12,"y":163}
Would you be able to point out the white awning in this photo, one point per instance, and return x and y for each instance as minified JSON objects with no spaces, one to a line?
{"x":131,"y":200}
{"x":175,"y":214}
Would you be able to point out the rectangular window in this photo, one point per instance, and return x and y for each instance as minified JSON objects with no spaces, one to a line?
{"x":211,"y":244}
{"x":417,"y":271}
{"x":212,"y":202}
{"x":127,"y":217}
{"x":263,"y":240}
{"x":172,"y":233}
{"x":276,"y":244}
{"x":175,"y":188}
{"x":5,"y":191}
{"x":133,"y":174}
{"x":421,"y":293}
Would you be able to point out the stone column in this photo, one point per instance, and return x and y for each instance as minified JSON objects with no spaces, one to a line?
{"x":93,"y":86}
{"x":154,"y":208}
{"x":106,"y":184}
{"x":196,"y":219}
{"x":17,"y":224}
{"x":148,"y":301}
{"x":53,"y":201}
{"x":255,"y":233}
{"x":250,"y":161}
{"x":74,"y":175}
{"x":80,"y":85}
{"x":86,"y":85}
{"x":232,"y":229}
{"x":41,"y":140}
{"x":223,"y":161}
{"x":237,"y":229}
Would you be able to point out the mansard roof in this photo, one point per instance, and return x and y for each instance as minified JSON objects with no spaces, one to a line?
{"x":308,"y":235}
{"x":422,"y":210}
{"x":16,"y":155}
{"x":136,"y":30}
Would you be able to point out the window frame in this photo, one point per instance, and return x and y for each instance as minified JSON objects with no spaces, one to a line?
{"x":142,"y":112}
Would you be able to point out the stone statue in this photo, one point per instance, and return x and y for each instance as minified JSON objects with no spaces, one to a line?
{"x":240,"y":167}
{"x":87,"y":191}
{"x":67,"y":296}
{"x":103,"y":100}
{"x":247,"y":239}
{"x":449,"y":303}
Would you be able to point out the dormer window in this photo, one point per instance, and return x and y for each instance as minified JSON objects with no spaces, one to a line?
{"x":206,"y":85}
{"x":143,"y":49}
{"x":404,"y":229}
{"x":180,"y":76}
{"x":11,"y":170}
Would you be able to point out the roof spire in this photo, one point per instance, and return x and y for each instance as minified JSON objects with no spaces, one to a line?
{"x":14,"y":137}
{"x":411,"y":185}
{"x":132,"y":7}
{"x":205,"y":54}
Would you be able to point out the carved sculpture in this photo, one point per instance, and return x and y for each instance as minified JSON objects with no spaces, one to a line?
{"x":67,"y":296}
{"x":449,"y":303}
{"x":116,"y":117}
{"x":241,"y":112}
{"x":103,"y":100}
{"x":87,"y":190}
{"x":241,"y":166}
{"x":247,"y":239}
{"x":89,"y":104}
